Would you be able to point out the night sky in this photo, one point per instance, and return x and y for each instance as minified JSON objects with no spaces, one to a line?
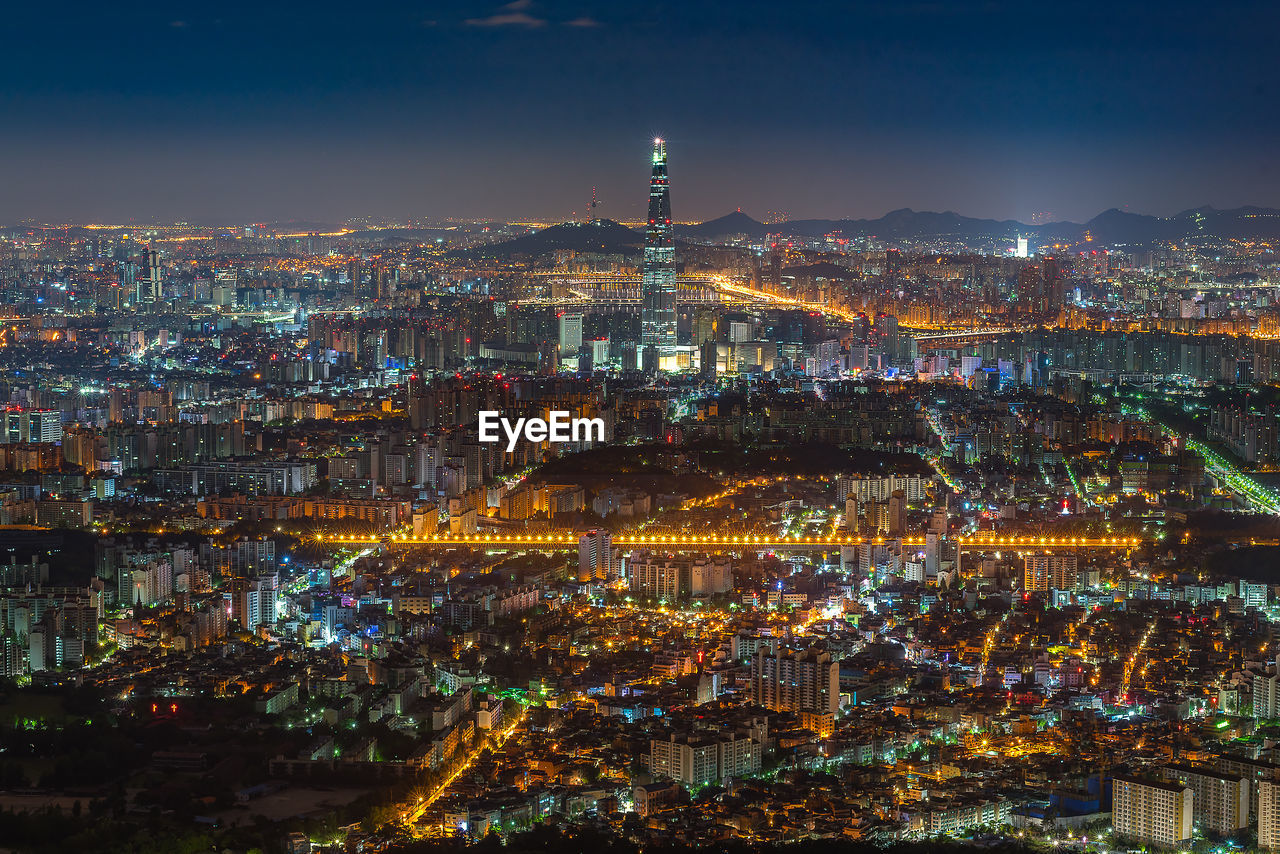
{"x":227,"y":112}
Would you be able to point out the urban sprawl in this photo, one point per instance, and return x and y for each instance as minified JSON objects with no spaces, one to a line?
{"x":869,"y":536}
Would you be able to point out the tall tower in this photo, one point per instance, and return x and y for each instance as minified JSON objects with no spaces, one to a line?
{"x":658,"y":281}
{"x":148,"y":290}
{"x":153,"y":262}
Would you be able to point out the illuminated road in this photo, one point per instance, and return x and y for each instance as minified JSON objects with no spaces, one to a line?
{"x":416,"y":811}
{"x":1255,"y":495}
{"x":990,"y":642}
{"x":935,"y":457}
{"x":939,"y":338}
{"x":746,"y":542}
{"x":1132,"y":662}
{"x":1075,"y":484}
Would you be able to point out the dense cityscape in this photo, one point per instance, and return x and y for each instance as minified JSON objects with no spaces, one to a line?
{"x":678,"y":427}
{"x":946,"y":529}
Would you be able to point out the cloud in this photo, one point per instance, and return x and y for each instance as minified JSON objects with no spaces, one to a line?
{"x":513,"y":14}
{"x":179,"y":25}
{"x":584,"y":21}
{"x":513,"y":19}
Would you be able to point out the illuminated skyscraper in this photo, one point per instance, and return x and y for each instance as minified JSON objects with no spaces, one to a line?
{"x":148,"y":290}
{"x":570,"y":333}
{"x":153,"y":262}
{"x":658,"y":282}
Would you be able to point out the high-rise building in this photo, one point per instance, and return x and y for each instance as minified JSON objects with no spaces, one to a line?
{"x":897,"y":513}
{"x":654,"y":577}
{"x":892,"y":263}
{"x":1269,"y":814}
{"x":671,"y":576}
{"x":599,"y":351}
{"x":31,"y":425}
{"x":1040,"y":573}
{"x":1054,"y":285}
{"x":148,"y":290}
{"x":803,"y":681}
{"x":152,"y":584}
{"x":1266,"y":692}
{"x":914,"y":487}
{"x":1152,"y":811}
{"x":1221,"y":803}
{"x":354,"y":275}
{"x":658,"y":279}
{"x":706,"y":325}
{"x":595,"y":555}
{"x":259,"y":607}
{"x":1257,"y":772}
{"x":570,"y":333}
{"x":932,"y":555}
{"x":699,"y":759}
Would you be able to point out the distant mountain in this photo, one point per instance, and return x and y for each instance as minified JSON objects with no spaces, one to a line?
{"x":908,"y":224}
{"x":895,"y":225}
{"x":1112,"y":226}
{"x":603,"y":235}
{"x":1117,"y":226}
{"x":729,"y":225}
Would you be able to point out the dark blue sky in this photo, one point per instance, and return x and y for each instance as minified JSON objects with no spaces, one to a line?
{"x":244,"y":112}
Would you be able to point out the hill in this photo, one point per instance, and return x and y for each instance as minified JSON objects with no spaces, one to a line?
{"x":729,"y":225}
{"x":603,"y":235}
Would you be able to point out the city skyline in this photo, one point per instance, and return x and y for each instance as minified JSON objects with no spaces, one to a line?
{"x":383,"y":469}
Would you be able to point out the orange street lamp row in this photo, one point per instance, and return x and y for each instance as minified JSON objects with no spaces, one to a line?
{"x":737,"y":539}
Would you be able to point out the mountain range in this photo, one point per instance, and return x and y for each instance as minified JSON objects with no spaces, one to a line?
{"x":1112,"y":227}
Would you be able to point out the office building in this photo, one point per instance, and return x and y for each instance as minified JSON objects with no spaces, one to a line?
{"x":570,"y":333}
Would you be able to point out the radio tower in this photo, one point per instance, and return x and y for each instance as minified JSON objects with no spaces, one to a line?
{"x":658,"y":280}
